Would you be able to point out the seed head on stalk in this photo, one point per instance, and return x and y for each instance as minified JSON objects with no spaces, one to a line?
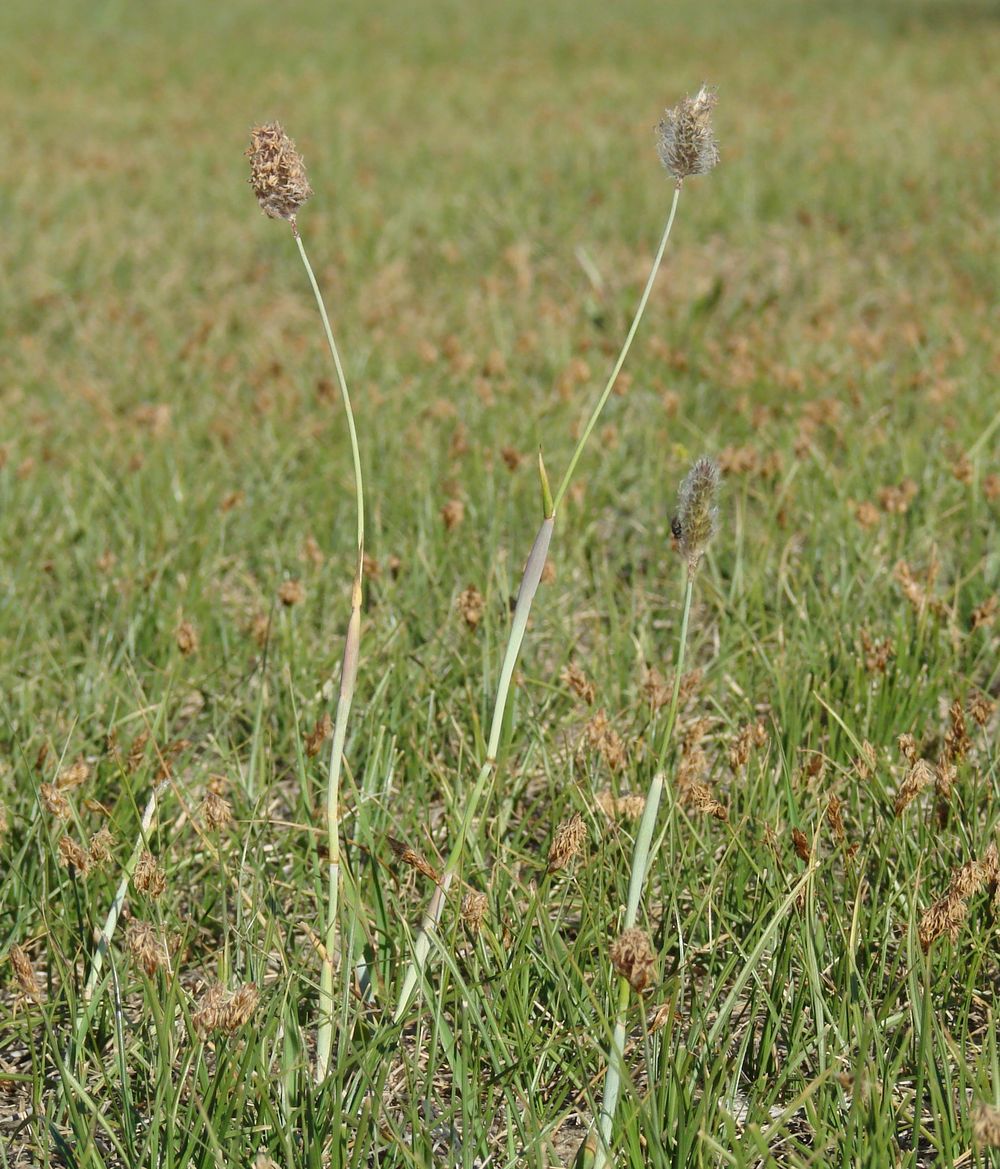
{"x":697,"y":518}
{"x":277,"y":172}
{"x":685,"y":138}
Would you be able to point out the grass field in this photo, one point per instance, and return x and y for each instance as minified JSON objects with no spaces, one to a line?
{"x":177,"y":543}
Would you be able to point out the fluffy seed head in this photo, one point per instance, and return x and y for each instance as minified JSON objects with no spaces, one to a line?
{"x":986,"y":1125}
{"x":697,"y":513}
{"x":633,"y":957}
{"x":149,"y":877}
{"x":144,"y":946}
{"x":567,"y":842}
{"x":684,"y":137}
{"x":277,"y":173}
{"x":24,"y":973}
{"x":474,"y":907}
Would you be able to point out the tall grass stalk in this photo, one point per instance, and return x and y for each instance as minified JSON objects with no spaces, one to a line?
{"x":348,"y":677}
{"x":696,"y":521}
{"x":525,"y":598}
{"x":278,"y":178}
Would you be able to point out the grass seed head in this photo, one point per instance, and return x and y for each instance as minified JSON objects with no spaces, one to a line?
{"x":53,"y":800}
{"x":633,"y":957}
{"x":187,"y":638}
{"x":215,"y":812}
{"x":474,"y":909}
{"x":986,"y":1125}
{"x":835,"y":818}
{"x":685,"y":140}
{"x":73,"y":857}
{"x":277,"y":173}
{"x":99,"y":848}
{"x":700,"y":797}
{"x":314,"y":740}
{"x":981,"y":709}
{"x":946,"y":916}
{"x":144,"y":946}
{"x":916,"y":779}
{"x":149,"y":877}
{"x":697,"y":512}
{"x":413,"y":859}
{"x":73,"y":776}
{"x":471,"y":605}
{"x":577,"y":681}
{"x":567,"y":842}
{"x":25,"y":974}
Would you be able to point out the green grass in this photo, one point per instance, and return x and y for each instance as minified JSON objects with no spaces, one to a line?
{"x":487,"y":203}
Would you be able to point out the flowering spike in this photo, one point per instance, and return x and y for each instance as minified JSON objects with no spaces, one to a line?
{"x":277,"y":173}
{"x":685,"y":139}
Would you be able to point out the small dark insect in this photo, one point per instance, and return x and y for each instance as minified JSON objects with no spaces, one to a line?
{"x":675,"y":527}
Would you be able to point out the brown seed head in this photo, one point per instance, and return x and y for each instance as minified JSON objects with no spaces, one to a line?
{"x":144,"y":946}
{"x":627,"y":807}
{"x":866,"y":763}
{"x":472,"y":606}
{"x":577,"y":681}
{"x":567,"y":842}
{"x":956,"y":739}
{"x":55,"y":802}
{"x":211,"y":1012}
{"x":149,"y":877}
{"x":599,"y":735}
{"x":907,"y":748}
{"x":835,"y":818}
{"x":946,"y":916}
{"x":277,"y":174}
{"x":453,"y":513}
{"x":413,"y":859}
{"x":633,"y":957}
{"x":241,"y":1007}
{"x":697,"y":513}
{"x":314,"y":740}
{"x":72,"y":856}
{"x":916,"y":779}
{"x":73,"y":776}
{"x":25,"y":974}
{"x":981,"y":709}
{"x":967,"y":880}
{"x":700,"y":797}
{"x":291,"y":593}
{"x":800,"y":843}
{"x":215,"y":812}
{"x":986,"y":1125}
{"x":99,"y":848}
{"x":187,"y":638}
{"x":474,"y":908}
{"x":685,"y":140}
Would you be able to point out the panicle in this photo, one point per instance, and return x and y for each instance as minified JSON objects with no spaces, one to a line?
{"x":697,"y":516}
{"x":685,"y":140}
{"x":277,"y":172}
